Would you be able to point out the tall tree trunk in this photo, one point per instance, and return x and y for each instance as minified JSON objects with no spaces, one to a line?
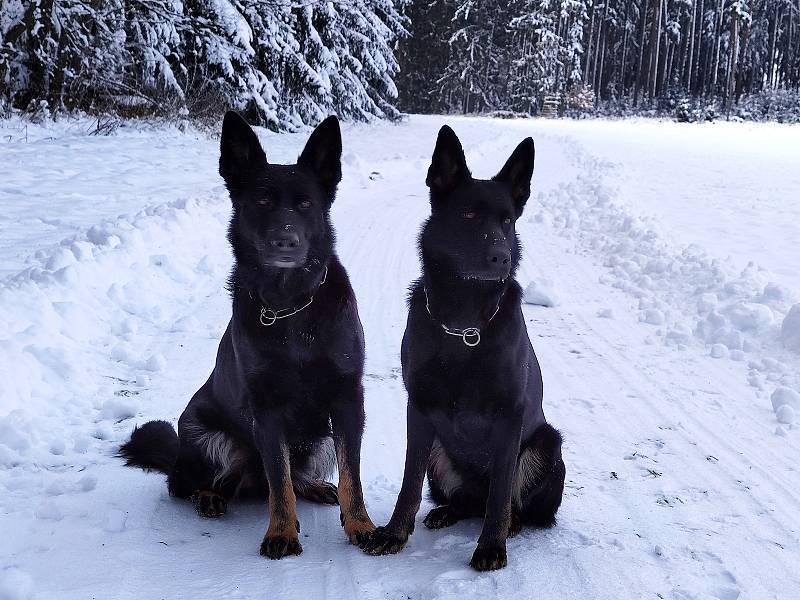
{"x":589,"y":46}
{"x":40,"y":23}
{"x":669,"y":60}
{"x":602,"y":63}
{"x":695,"y":70}
{"x":772,"y":48}
{"x":640,"y":69}
{"x":687,"y":82}
{"x":718,"y":39}
{"x":732,"y":62}
{"x":662,"y":74}
{"x":655,"y":44}
{"x":739,"y":84}
{"x":623,"y":64}
{"x":601,"y":27}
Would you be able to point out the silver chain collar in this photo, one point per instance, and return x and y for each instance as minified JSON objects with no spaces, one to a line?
{"x":471,"y":336}
{"x":268,"y":317}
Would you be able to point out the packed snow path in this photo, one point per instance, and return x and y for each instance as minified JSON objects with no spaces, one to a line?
{"x":661,"y":364}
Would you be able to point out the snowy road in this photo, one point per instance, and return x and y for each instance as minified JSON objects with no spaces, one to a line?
{"x":659,"y":361}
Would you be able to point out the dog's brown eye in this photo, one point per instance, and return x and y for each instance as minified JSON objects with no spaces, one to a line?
{"x":265,"y":203}
{"x":507,"y":221}
{"x":304,"y":205}
{"x":470,"y":214}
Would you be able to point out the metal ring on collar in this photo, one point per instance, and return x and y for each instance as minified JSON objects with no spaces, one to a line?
{"x":267,"y":316}
{"x":471,"y":336}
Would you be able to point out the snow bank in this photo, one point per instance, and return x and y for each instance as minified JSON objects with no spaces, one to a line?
{"x":785,"y":414}
{"x":790,"y":329}
{"x":76,"y":328}
{"x":784,"y":396}
{"x":686,"y":291}
{"x":541,"y":292}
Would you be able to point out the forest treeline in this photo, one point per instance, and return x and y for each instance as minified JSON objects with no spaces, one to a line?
{"x":479,"y":55}
{"x":282,"y":63}
{"x":286,"y":63}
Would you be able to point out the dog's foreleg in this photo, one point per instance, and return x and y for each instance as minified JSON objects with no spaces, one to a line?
{"x":281,"y":538}
{"x":491,"y":551}
{"x":347,"y":419}
{"x":392,"y":537}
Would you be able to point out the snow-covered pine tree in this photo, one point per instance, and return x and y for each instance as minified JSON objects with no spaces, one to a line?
{"x":61,"y":54}
{"x":276,"y":50}
{"x":15,"y":67}
{"x":548,"y":50}
{"x":363,"y":86}
{"x":155,"y":72}
{"x":476,"y":74}
{"x":221,"y":61}
{"x":537,"y":66}
{"x":424,"y":54}
{"x":284,"y":63}
{"x":574,"y":16}
{"x":346,"y":63}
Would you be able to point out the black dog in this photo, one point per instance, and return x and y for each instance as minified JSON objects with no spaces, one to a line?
{"x":474,"y":386}
{"x":285,"y":401}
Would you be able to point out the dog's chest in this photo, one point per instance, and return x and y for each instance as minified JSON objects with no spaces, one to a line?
{"x":303,"y":370}
{"x":462,"y":426}
{"x":467,"y":437}
{"x":294,"y":372}
{"x":461,"y":383}
{"x":289,"y":345}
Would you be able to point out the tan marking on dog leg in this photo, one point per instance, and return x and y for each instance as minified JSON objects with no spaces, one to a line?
{"x":283,"y":512}
{"x":281,"y":538}
{"x":355,"y":520}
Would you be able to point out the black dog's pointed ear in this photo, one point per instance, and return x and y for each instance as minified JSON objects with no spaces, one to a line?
{"x":239,"y":150}
{"x":448,"y":165}
{"x":517,"y":173}
{"x":323,"y":152}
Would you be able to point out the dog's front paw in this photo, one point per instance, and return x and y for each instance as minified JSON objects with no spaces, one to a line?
{"x":278,"y":546}
{"x":384,"y":542}
{"x":441,"y":516}
{"x":489,"y":557}
{"x":209,"y":504}
{"x":359,"y":531}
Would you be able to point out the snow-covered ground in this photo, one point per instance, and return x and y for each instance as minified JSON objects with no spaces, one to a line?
{"x":663,"y":355}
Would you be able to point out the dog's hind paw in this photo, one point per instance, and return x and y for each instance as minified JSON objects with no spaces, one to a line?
{"x":278,"y":546}
{"x":383,"y":542}
{"x":489,"y":557}
{"x":209,"y":504}
{"x":441,"y":516}
{"x":319,"y":491}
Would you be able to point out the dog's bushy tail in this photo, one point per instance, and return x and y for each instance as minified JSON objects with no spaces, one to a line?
{"x":152,"y":447}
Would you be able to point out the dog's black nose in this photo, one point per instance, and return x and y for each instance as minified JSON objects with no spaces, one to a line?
{"x":285,"y":240}
{"x":498,"y":257}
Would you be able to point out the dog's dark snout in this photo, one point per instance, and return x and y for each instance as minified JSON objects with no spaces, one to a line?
{"x":497,"y":257}
{"x":285,"y":240}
